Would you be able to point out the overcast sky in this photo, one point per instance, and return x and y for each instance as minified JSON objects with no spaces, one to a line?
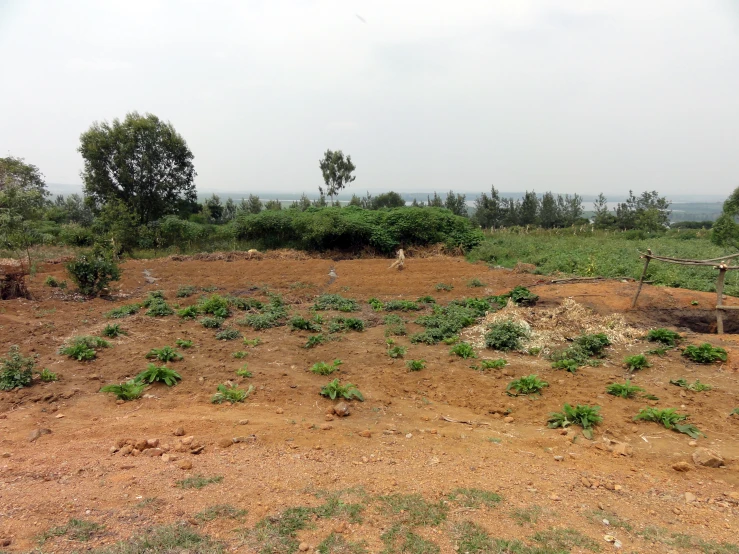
{"x":570,"y":96}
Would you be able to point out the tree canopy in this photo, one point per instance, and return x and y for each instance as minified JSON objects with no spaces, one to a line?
{"x":337,"y":172}
{"x":15,"y":172}
{"x":141,"y":161}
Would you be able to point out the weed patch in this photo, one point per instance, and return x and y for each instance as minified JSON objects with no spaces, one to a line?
{"x":16,"y":370}
{"x":336,"y":302}
{"x":415,"y":510}
{"x":75,"y":529}
{"x":636,"y":362}
{"x":474,"y":498}
{"x":323,"y":368}
{"x":334,"y":389}
{"x":113,"y":330}
{"x":164,"y":354}
{"x":583,"y":415}
{"x":228,"y":334}
{"x":123,"y":311}
{"x":84,"y":348}
{"x":623,"y":390}
{"x":664,"y":336}
{"x":158,"y":374}
{"x":695,"y":387}
{"x":505,"y":336}
{"x":125,"y":391}
{"x":670,"y":419}
{"x":415,"y":365}
{"x":231,"y":394}
{"x":399,"y":539}
{"x":397,"y":351}
{"x":531,"y":384}
{"x":220,"y":511}
{"x":198,"y":481}
{"x":464,"y":350}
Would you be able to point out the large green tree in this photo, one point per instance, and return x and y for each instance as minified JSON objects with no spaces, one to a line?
{"x":15,"y":172}
{"x":141,"y":161}
{"x":22,"y":199}
{"x":337,"y":172}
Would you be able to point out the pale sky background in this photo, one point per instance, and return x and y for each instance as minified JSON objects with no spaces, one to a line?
{"x":565,"y":95}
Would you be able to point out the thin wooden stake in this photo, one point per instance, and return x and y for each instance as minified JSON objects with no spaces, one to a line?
{"x":720,"y":294}
{"x":647,"y":257}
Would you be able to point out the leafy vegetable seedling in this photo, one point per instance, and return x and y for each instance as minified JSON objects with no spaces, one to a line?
{"x":125,"y":391}
{"x":531,"y":384}
{"x":583,"y":415}
{"x":636,"y":362}
{"x":415,"y":365}
{"x":230,"y":393}
{"x":323,"y":368}
{"x":670,"y":419}
{"x":334,"y":389}
{"x":164,"y":354}
{"x":623,"y":390}
{"x":705,"y":353}
{"x":158,"y":374}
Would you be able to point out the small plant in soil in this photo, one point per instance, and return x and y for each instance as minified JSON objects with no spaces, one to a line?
{"x":670,"y":419}
{"x":397,"y":351}
{"x":158,"y":374}
{"x":315,"y":340}
{"x":301,"y":324}
{"x":464,"y":350}
{"x":623,"y":390}
{"x":211,"y":322}
{"x":184,"y":343}
{"x":395,"y":325}
{"x":189,"y":312}
{"x":415,"y":365}
{"x":45,"y":376}
{"x":75,"y":530}
{"x":228,"y":334}
{"x":323,"y":368}
{"x":230,"y":393}
{"x":474,"y":498}
{"x":336,"y":302}
{"x":695,"y":387}
{"x":164,"y":354}
{"x":660,"y":351}
{"x":239,"y":354}
{"x":426,"y":300}
{"x":185,"y":291}
{"x":705,"y":353}
{"x":198,"y":481}
{"x":664,"y":336}
{"x":216,"y":305}
{"x":243,"y":371}
{"x":125,"y":391}
{"x":123,"y":311}
{"x":500,"y":363}
{"x":583,"y":415}
{"x":346,"y":324}
{"x":376,"y":304}
{"x":334,"y":389}
{"x":157,"y":307}
{"x":220,"y":511}
{"x":444,"y":286}
{"x":636,"y":362}
{"x":475,"y":283}
{"x":531,"y":384}
{"x":505,"y":336}
{"x":113,"y":330}
{"x":454,"y":339}
{"x":84,"y":348}
{"x":593,"y":345}
{"x":401,"y":306}
{"x":252,"y":342}
{"x":16,"y":370}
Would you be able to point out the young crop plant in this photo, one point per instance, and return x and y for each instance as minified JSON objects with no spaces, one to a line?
{"x":51,"y":281}
{"x":593,"y":345}
{"x":315,"y":340}
{"x":189,"y":312}
{"x":228,"y":334}
{"x":129,"y":390}
{"x":84,"y":348}
{"x":583,"y":415}
{"x":670,"y":419}
{"x":215,"y":305}
{"x":531,"y":384}
{"x":426,"y":300}
{"x":323,"y":368}
{"x":401,"y":306}
{"x":301,"y":324}
{"x":113,"y":330}
{"x":45,"y":376}
{"x":500,"y":363}
{"x":252,"y":342}
{"x":339,"y":324}
{"x":334,"y":389}
{"x":376,"y":304}
{"x":164,"y":354}
{"x":185,"y":291}
{"x":695,"y":387}
{"x":394,"y":325}
{"x":123,"y":311}
{"x":660,"y":351}
{"x":239,"y":354}
{"x":475,"y":283}
{"x":705,"y":353}
{"x":636,"y":362}
{"x":444,"y":286}
{"x":415,"y":365}
{"x":156,"y":305}
{"x":454,"y":339}
{"x":336,"y":302}
{"x":230,"y":393}
{"x":505,"y":336}
{"x":623,"y":390}
{"x":664,"y":336}
{"x":158,"y":374}
{"x":16,"y":370}
{"x":211,"y":322}
{"x":184,"y":343}
{"x":397,"y":351}
{"x":243,"y":371}
{"x":568,"y":364}
{"x":464,"y":350}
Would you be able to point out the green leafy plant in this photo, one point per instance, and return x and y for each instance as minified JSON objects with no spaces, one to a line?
{"x":659,"y":351}
{"x":198,"y":482}
{"x":594,"y":344}
{"x":505,"y":336}
{"x":211,"y":322}
{"x":568,"y":364}
{"x":530,"y":384}
{"x":623,"y":390}
{"x":123,"y":311}
{"x":670,"y":419}
{"x":583,"y":415}
{"x":16,"y":370}
{"x":301,"y":324}
{"x":215,"y":305}
{"x":401,"y":306}
{"x":230,"y":393}
{"x":228,"y":334}
{"x":164,"y":354}
{"x":695,"y":387}
{"x":705,"y":353}
{"x":52,"y":282}
{"x":243,"y":371}
{"x":46,"y":376}
{"x":113,"y":330}
{"x":184,"y":343}
{"x":500,"y":363}
{"x":395,"y":325}
{"x":397,"y":351}
{"x":454,"y":339}
{"x":125,"y":391}
{"x":336,"y":302}
{"x":376,"y":304}
{"x":474,"y":498}
{"x":184,"y":291}
{"x":444,"y":286}
{"x":334,"y":389}
{"x":239,"y":354}
{"x":84,"y":348}
{"x":464,"y":350}
{"x":158,"y":374}
{"x":157,"y":306}
{"x":75,"y":530}
{"x":252,"y":342}
{"x":426,"y":300}
{"x":636,"y":362}
{"x":315,"y":340}
{"x":189,"y":312}
{"x":323,"y":368}
{"x":415,"y":365}
{"x":93,"y":271}
{"x":346,"y":323}
{"x":474,"y":283}
{"x":664,"y":336}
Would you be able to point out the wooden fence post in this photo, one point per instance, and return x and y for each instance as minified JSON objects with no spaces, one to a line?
{"x":719,"y":300}
{"x":647,"y":257}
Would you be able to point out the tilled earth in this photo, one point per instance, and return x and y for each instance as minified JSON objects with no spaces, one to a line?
{"x":66,"y":483}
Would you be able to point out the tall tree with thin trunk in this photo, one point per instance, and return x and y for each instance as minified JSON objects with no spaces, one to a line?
{"x":337,"y":172}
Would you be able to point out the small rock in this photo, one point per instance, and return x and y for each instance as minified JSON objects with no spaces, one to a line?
{"x":6,"y":454}
{"x":433,"y":431}
{"x":559,"y":458}
{"x":555,"y":498}
{"x":409,"y":436}
{"x":707,"y":458}
{"x":151,"y":452}
{"x":188,"y":440}
{"x":126,"y":450}
{"x":185,"y":464}
{"x":152,"y":443}
{"x":586,"y":482}
{"x":341,"y":409}
{"x":365,"y":433}
{"x":179,"y":432}
{"x":303,"y":547}
{"x":329,"y":417}
{"x":508,"y":419}
{"x":682,"y":466}
{"x":36,"y":433}
{"x":623,"y":449}
{"x":197,"y":449}
{"x":340,"y":528}
{"x":140,"y":445}
{"x":279,"y":411}
{"x":690,"y":497}
{"x":326,"y":427}
{"x":167,"y":458}
{"x":225,"y":442}
{"x":693,"y":443}
{"x":113,"y":449}
{"x":59,"y":416}
{"x":248,"y":438}
{"x":6,"y":541}
{"x":243,"y":422}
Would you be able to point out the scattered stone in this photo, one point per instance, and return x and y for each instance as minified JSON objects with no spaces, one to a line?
{"x":179,"y":432}
{"x":329,"y":417}
{"x":409,"y":436}
{"x":555,"y":498}
{"x":188,"y":440}
{"x":433,"y":431}
{"x":326,"y":427}
{"x":248,"y":438}
{"x":185,"y":464}
{"x":682,"y":466}
{"x":586,"y":482}
{"x":623,"y":449}
{"x":151,"y":452}
{"x":303,"y":547}
{"x":113,"y":449}
{"x":690,"y":497}
{"x":140,"y":445}
{"x":341,"y":409}
{"x":243,"y":422}
{"x":36,"y":433}
{"x":707,"y":458}
{"x":559,"y":458}
{"x":693,"y":443}
{"x":197,"y":449}
{"x":279,"y":411}
{"x":59,"y":416}
{"x":6,"y":541}
{"x":126,"y":450}
{"x":365,"y":433}
{"x":152,"y":443}
{"x":168,"y":458}
{"x":6,"y":454}
{"x":225,"y":442}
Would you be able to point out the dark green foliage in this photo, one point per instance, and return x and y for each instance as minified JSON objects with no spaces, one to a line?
{"x":113,"y":330}
{"x":464,"y":350}
{"x":521,"y":296}
{"x":530,"y":384}
{"x":198,"y":481}
{"x":625,"y":390}
{"x":184,"y":291}
{"x":228,"y":334}
{"x":322,"y":368}
{"x":444,"y":322}
{"x":182,"y":343}
{"x":376,"y":304}
{"x":215,"y":305}
{"x":93,"y":271}
{"x":593,"y":345}
{"x":664,"y":336}
{"x":415,"y":365}
{"x":164,"y":354}
{"x":695,"y":387}
{"x":158,"y":374}
{"x":123,"y":311}
{"x":444,"y":286}
{"x":125,"y":391}
{"x":189,"y":312}
{"x":230,"y":393}
{"x":336,"y":302}
{"x":401,"y":306}
{"x":16,"y":370}
{"x":705,"y":353}
{"x":636,"y":362}
{"x":395,"y":325}
{"x":397,"y":351}
{"x":339,"y":324}
{"x":272,"y":314}
{"x":505,"y":336}
{"x":334,"y":389}
{"x":474,"y":498}
{"x":474,"y":283}
{"x":426,"y":300}
{"x":211,"y":322}
{"x":157,"y":306}
{"x":583,"y":415}
{"x":52,"y":282}
{"x":670,"y":419}
{"x":500,"y":363}
{"x":244,"y":303}
{"x":84,"y":348}
{"x":301,"y":324}
{"x":315,"y":340}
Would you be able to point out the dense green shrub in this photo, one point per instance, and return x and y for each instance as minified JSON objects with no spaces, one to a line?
{"x":16,"y":370}
{"x":505,"y":335}
{"x":92,"y":271}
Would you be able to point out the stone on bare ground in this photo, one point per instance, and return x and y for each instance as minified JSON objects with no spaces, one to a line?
{"x":326,"y":427}
{"x":682,"y":466}
{"x":341,"y":409}
{"x":36,"y":433}
{"x":179,"y":432}
{"x":304,"y":547}
{"x":225,"y":442}
{"x":151,"y":452}
{"x":707,"y":458}
{"x":366,"y":433}
{"x":185,"y":464}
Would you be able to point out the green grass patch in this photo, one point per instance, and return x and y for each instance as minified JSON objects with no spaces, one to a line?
{"x":198,"y":481}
